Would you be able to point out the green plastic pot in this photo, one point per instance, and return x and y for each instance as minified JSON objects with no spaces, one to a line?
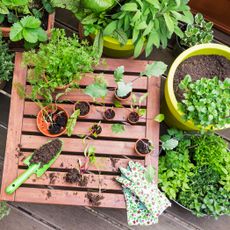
{"x":173,"y":117}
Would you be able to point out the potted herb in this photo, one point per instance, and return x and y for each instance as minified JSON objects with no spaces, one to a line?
{"x":143,"y":147}
{"x":124,"y":90}
{"x":52,"y":120}
{"x":30,"y":21}
{"x":84,"y":108}
{"x":191,"y":173}
{"x":6,"y":64}
{"x":60,"y":63}
{"x":200,"y":32}
{"x":195,"y":102}
{"x":109,"y":114}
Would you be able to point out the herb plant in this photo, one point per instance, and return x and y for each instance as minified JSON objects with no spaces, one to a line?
{"x":199,"y":32}
{"x":206,"y":101}
{"x":6,"y":64}
{"x":196,"y":172}
{"x":123,"y":89}
{"x":63,"y":61}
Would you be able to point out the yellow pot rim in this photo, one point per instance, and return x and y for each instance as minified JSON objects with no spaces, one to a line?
{"x":115,"y":41}
{"x":170,"y":79}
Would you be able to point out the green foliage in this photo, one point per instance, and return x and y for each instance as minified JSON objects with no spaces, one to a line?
{"x":199,"y":32}
{"x":6,"y":64}
{"x":62,"y":61}
{"x":72,"y":122}
{"x":149,"y":23}
{"x":97,"y":5}
{"x":196,"y":172}
{"x":118,"y":128}
{"x":159,"y":118}
{"x":90,"y":153}
{"x":141,"y":112}
{"x":4,"y":210}
{"x":206,"y":101}
{"x":156,"y":69}
{"x":28,"y":28}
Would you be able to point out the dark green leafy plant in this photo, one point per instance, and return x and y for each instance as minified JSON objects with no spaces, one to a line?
{"x":149,"y":23}
{"x":6,"y":64}
{"x":196,"y":172}
{"x":206,"y":101}
{"x":63,"y":61}
{"x":199,"y":32}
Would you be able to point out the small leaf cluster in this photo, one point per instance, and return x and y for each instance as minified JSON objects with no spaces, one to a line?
{"x":6,"y":63}
{"x":206,"y":101}
{"x":196,"y":172}
{"x":4,"y":210}
{"x":62,"y":61}
{"x":199,"y":32}
{"x":149,"y":23}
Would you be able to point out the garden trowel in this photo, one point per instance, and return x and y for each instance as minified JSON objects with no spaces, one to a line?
{"x":34,"y":168}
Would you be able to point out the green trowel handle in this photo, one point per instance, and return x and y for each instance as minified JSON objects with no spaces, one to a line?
{"x":22,"y":178}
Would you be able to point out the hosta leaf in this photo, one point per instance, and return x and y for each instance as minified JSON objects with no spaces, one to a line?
{"x":155,"y":69}
{"x":118,"y":128}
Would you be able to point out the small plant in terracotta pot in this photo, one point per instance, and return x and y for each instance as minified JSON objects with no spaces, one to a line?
{"x":95,"y":130}
{"x":143,"y":147}
{"x":123,"y":90}
{"x":109,"y":114}
{"x":52,"y":120}
{"x":84,"y":108}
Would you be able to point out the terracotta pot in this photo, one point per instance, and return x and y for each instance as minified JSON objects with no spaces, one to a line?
{"x":133,"y":122}
{"x":121,"y":99}
{"x":43,"y":125}
{"x":109,"y":119}
{"x":74,"y":108}
{"x":141,"y":154}
{"x":2,"y":84}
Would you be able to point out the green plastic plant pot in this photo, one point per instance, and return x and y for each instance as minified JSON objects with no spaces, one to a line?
{"x":112,"y":48}
{"x":173,"y":117}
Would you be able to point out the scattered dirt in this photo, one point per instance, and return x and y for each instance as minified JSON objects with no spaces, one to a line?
{"x":96,"y":129}
{"x":48,"y":194}
{"x":46,"y":152}
{"x":133,"y":117}
{"x":52,"y":178}
{"x":94,"y":199}
{"x":200,"y":66}
{"x":83,"y":106}
{"x":62,"y":165}
{"x":74,"y":176}
{"x":114,"y":162}
{"x":109,"y":114}
{"x":143,"y":146}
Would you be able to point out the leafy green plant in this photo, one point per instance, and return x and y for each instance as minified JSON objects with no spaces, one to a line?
{"x":4,"y":210}
{"x":206,"y":101}
{"x":118,"y":128}
{"x":196,"y":172}
{"x":154,"y":69}
{"x":63,"y":61}
{"x":149,"y":23}
{"x":137,"y":108}
{"x":89,"y":152}
{"x":6,"y":64}
{"x":72,"y":122}
{"x":199,"y":32}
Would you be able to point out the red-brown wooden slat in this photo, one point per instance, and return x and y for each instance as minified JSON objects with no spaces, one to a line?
{"x":139,"y":84}
{"x":96,"y":112}
{"x":79,"y":95}
{"x":103,"y":164}
{"x":134,"y":66}
{"x":134,"y":131}
{"x":95,"y":181}
{"x":35,"y":195}
{"x":153,"y":127}
{"x":75,"y":145}
{"x":14,"y":129}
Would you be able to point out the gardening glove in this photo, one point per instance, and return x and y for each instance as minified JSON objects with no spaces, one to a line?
{"x":133,"y":178}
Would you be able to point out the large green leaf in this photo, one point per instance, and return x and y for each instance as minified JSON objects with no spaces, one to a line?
{"x":96,"y":90}
{"x":98,"y":5}
{"x":110,"y":28}
{"x":123,"y":89}
{"x":30,"y":35}
{"x":157,"y":68}
{"x":16,"y":32}
{"x":3,"y":9}
{"x":42,"y":35}
{"x":129,"y":7}
{"x":169,"y":22}
{"x":30,"y":22}
{"x":138,"y":47}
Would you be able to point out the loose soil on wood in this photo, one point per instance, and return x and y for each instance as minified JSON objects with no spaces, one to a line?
{"x":46,"y":153}
{"x":133,"y":117}
{"x":143,"y":146}
{"x":84,"y":108}
{"x":94,"y":199}
{"x":200,"y":66}
{"x":52,"y":178}
{"x":109,"y":114}
{"x":74,"y":176}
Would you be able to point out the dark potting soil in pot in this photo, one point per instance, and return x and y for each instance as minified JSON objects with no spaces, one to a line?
{"x":94,"y":199}
{"x":96,"y":129}
{"x":200,"y":66}
{"x":134,"y":117}
{"x":46,"y":152}
{"x":74,"y":176}
{"x":84,"y":108}
{"x":143,"y":146}
{"x":58,"y":123}
{"x":109,"y":114}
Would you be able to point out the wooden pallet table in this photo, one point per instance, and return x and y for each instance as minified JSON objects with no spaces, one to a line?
{"x":112,"y":150}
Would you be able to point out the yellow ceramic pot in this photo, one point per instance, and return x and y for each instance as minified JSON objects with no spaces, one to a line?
{"x":173,"y":117}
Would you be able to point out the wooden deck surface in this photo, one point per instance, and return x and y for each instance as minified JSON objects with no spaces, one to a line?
{"x":58,"y":217}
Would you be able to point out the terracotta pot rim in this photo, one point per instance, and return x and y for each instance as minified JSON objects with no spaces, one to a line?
{"x":109,"y":119}
{"x":141,"y":154}
{"x":132,"y":122}
{"x":82,"y":116}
